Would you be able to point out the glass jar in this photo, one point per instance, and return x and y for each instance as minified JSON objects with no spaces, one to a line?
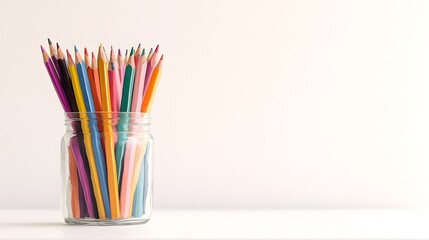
{"x":106,"y":164}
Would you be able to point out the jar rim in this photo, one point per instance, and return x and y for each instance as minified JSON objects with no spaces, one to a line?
{"x":104,"y":115}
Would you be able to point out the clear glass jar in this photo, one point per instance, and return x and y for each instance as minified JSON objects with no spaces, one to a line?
{"x":106,"y":168}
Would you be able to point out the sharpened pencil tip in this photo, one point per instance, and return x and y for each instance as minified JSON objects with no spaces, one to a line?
{"x":151,"y":50}
{"x":119,"y":53}
{"x":126,"y":52}
{"x":85,"y":51}
{"x":139,"y":45}
{"x":143,"y":52}
{"x":68,"y":53}
{"x":49,"y":41}
{"x":92,"y":55}
{"x":58,"y":46}
{"x":132,"y":51}
{"x":157,"y":48}
{"x":162,"y":57}
{"x":75,"y":48}
{"x":111,"y":48}
{"x":41,"y":48}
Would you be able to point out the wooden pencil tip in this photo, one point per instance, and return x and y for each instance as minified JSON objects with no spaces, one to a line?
{"x":68,"y":53}
{"x":58,"y":46}
{"x":126,"y":52}
{"x":151,"y":50}
{"x":119,"y":53}
{"x":139,"y":45}
{"x":143,"y":52}
{"x":132,"y":51}
{"x":75,"y":48}
{"x":92,"y":55}
{"x":157,"y":48}
{"x":41,"y":48}
{"x":162,"y":57}
{"x":85,"y":51}
{"x":49,"y":41}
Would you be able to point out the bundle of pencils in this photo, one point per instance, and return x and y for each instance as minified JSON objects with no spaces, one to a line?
{"x":104,"y":164}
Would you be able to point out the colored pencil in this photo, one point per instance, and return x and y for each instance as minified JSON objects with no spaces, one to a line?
{"x":85,"y":88}
{"x":95,"y":84}
{"x":125,"y":63}
{"x":152,"y":61}
{"x":94,"y":67}
{"x":137,"y":53}
{"x":121,"y":67}
{"x":95,"y":193}
{"x":54,"y":58}
{"x":141,"y":190}
{"x":97,"y":167}
{"x":151,"y":88}
{"x":128,"y":159}
{"x":146,"y":108}
{"x":55,"y":81}
{"x":138,"y":89}
{"x":115,"y":87}
{"x":108,"y":134}
{"x":83,"y":175}
{"x":125,"y":107}
{"x":136,"y":107}
{"x":149,"y":56}
{"x":75,"y":184}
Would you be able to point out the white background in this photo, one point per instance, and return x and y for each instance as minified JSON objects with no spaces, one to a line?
{"x":261,"y":104}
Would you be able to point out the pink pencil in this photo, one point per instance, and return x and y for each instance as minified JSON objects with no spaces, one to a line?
{"x":113,"y":90}
{"x":152,"y":61}
{"x":121,"y":67}
{"x":139,"y":82}
{"x":114,"y":81}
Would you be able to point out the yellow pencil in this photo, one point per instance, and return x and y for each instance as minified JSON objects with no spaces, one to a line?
{"x":112,"y":177}
{"x":86,"y":135}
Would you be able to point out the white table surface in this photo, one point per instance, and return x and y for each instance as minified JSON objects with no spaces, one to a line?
{"x":228,"y":224}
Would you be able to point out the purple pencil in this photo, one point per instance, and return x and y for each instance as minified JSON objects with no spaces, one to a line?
{"x":55,"y":81}
{"x":54,"y":59}
{"x":75,"y":145}
{"x":83,"y":177}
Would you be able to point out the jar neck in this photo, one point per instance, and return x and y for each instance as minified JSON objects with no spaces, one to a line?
{"x":107,"y":121}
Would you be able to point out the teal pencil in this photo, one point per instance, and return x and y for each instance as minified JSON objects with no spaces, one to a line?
{"x":127,"y":95}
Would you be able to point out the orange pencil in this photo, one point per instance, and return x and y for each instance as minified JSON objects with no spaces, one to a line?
{"x":74,"y":185}
{"x":151,"y":88}
{"x":92,"y":82}
{"x":96,"y":83}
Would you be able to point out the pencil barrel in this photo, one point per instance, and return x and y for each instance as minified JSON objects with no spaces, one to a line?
{"x":89,"y":166}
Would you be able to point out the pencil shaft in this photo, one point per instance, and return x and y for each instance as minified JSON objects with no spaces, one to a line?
{"x":108,"y":133}
{"x":57,"y":86}
{"x":95,"y":94}
{"x":96,"y":164}
{"x":68,"y":88}
{"x":84,"y":179}
{"x":74,"y":185}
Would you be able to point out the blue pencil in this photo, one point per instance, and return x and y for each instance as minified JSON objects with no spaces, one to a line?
{"x":95,"y":135}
